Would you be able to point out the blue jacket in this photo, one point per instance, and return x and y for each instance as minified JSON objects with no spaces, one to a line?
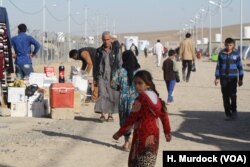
{"x":22,"y":46}
{"x":229,"y":66}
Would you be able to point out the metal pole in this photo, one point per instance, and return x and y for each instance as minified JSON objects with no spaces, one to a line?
{"x":241,"y":28}
{"x":210,"y":32}
{"x":98,"y":27}
{"x":114,"y":24}
{"x":44,"y":28}
{"x":221,"y":30}
{"x":86,"y":22}
{"x":196,"y":33}
{"x":202,"y":44}
{"x":69,"y":27}
{"x":180,"y":35}
{"x":106,"y":23}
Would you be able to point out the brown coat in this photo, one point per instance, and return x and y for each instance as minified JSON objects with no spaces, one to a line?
{"x":168,"y":70}
{"x":187,"y":50}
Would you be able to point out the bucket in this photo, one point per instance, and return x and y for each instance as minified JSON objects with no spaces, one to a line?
{"x":215,"y":57}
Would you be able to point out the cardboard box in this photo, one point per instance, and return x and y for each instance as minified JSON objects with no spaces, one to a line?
{"x":62,"y":113}
{"x":19,"y":109}
{"x":78,"y":102}
{"x":49,"y":80}
{"x":16,"y":95}
{"x":37,"y":78}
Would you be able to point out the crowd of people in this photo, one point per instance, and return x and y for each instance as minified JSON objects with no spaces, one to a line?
{"x":120,"y":86}
{"x":130,"y":91}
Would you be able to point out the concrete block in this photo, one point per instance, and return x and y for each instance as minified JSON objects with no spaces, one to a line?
{"x":62,"y":113}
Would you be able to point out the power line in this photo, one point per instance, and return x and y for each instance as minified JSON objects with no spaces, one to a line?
{"x":23,"y":11}
{"x":54,"y":17}
{"x":76,"y":22}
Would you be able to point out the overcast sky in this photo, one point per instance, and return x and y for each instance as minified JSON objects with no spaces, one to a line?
{"x":126,"y":15}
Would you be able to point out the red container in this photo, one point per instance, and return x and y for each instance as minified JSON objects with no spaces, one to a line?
{"x":62,"y":95}
{"x":49,"y":71}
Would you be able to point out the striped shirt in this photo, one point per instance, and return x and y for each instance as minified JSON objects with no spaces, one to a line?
{"x":229,"y":65}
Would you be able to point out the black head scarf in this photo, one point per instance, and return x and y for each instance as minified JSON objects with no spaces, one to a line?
{"x":131,"y":64}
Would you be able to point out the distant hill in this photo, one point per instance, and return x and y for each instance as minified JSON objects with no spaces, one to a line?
{"x":173,"y":35}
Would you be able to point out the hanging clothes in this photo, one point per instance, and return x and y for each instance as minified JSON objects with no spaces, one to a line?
{"x":5,"y":42}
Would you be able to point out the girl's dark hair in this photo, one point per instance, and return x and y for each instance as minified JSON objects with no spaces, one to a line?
{"x":148,"y":79}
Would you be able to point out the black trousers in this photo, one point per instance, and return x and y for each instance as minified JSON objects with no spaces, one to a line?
{"x":186,"y":64}
{"x":229,"y":93}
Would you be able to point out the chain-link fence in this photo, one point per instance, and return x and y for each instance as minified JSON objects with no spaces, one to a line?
{"x":55,"y":49}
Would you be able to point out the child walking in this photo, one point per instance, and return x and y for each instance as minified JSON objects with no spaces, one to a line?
{"x":123,"y":81}
{"x":147,"y":108}
{"x":229,"y":71}
{"x":170,"y":71}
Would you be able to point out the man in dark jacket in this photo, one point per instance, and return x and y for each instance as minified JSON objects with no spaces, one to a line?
{"x":108,"y":60}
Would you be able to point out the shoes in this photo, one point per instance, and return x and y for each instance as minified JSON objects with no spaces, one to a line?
{"x":169,"y":102}
{"x":102,"y":118}
{"x":234,"y":116}
{"x":110,"y":118}
{"x":229,"y":118}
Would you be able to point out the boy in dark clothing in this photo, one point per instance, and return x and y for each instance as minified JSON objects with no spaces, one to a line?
{"x":229,"y":71}
{"x":170,"y":71}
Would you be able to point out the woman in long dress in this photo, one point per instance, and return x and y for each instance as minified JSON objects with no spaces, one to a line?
{"x":123,"y":82}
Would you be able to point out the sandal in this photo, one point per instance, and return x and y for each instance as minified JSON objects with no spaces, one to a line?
{"x":102,"y":118}
{"x":110,"y":119}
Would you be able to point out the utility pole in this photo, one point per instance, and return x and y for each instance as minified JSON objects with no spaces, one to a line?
{"x":85,"y":22}
{"x":210,"y":31}
{"x":114,"y":27}
{"x":97,"y":29}
{"x":241,"y":28}
{"x":44,"y":32}
{"x":202,"y":28}
{"x":106,"y":23}
{"x":69,"y":26}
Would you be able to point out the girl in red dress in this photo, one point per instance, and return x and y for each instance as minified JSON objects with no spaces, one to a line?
{"x":147,"y":108}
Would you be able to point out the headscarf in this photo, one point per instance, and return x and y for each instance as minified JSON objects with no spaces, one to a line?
{"x":130,"y":63}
